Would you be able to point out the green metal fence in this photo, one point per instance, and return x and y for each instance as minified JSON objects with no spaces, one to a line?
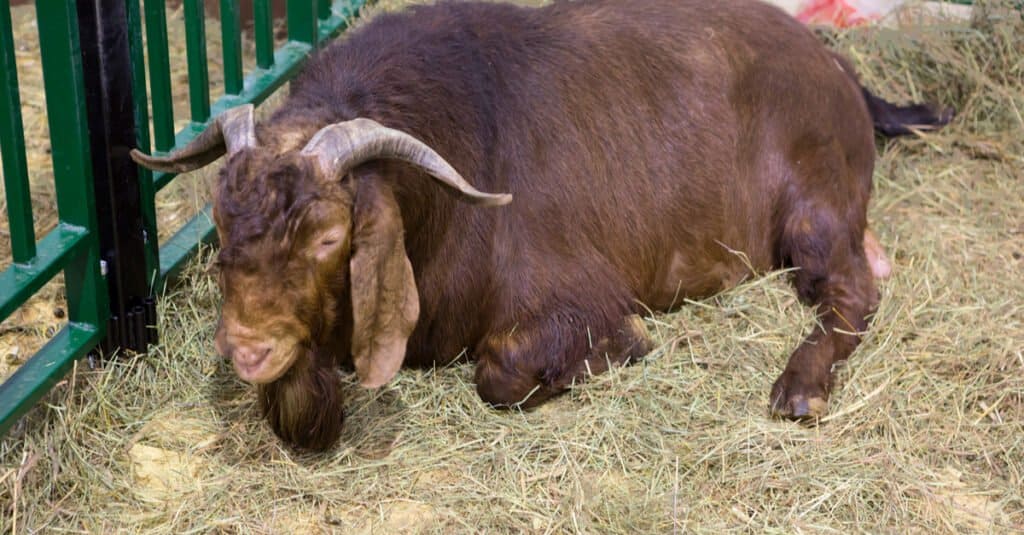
{"x":93,"y":298}
{"x":72,"y":245}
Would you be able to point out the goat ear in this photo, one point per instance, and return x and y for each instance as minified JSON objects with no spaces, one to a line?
{"x":385,"y":303}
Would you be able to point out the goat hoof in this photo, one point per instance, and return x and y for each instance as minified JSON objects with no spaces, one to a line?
{"x":791,"y":404}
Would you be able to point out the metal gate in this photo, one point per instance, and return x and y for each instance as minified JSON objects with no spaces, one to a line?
{"x":94,"y":78}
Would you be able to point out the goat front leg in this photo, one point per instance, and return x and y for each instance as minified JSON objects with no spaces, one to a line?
{"x":532,"y":362}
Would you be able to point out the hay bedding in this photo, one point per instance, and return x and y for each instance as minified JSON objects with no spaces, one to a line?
{"x":926,"y":432}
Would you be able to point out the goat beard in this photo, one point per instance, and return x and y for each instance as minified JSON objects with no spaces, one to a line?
{"x":304,"y":407}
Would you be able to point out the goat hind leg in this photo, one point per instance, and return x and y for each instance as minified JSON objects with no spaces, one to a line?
{"x":833,"y":274}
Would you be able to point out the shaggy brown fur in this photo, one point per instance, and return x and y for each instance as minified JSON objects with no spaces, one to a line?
{"x":657,"y":150}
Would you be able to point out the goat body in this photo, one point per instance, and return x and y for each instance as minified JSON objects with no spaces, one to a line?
{"x":656,"y":151}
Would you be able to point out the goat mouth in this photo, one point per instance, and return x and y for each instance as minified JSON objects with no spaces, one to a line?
{"x":268,"y":370}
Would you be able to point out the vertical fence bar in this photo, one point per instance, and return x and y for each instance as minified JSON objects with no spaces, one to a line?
{"x":72,"y":169}
{"x":107,"y":69}
{"x":302,"y":21}
{"x":231,"y":37}
{"x":159,"y":74}
{"x":263,"y":28}
{"x":12,"y":147}
{"x":146,"y":191}
{"x":195,"y":49}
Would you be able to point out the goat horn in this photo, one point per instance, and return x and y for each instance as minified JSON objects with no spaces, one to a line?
{"x":342,"y":146}
{"x":230,"y":132}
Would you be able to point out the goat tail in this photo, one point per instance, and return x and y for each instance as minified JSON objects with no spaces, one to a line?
{"x":892,"y":120}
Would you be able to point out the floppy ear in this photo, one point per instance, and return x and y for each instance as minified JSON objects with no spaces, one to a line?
{"x":385,"y":304}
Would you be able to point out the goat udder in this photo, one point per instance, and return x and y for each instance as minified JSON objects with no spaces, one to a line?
{"x":881,"y":268}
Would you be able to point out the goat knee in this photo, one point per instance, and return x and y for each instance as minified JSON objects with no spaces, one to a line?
{"x":502,"y":386}
{"x":515,"y":370}
{"x":528,"y":367}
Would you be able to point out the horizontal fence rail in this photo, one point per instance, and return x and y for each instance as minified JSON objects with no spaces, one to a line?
{"x":76,"y":245}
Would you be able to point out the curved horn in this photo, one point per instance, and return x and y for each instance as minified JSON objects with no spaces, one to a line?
{"x":231,"y":131}
{"x":342,"y":146}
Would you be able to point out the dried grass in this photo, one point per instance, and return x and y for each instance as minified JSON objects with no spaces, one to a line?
{"x":926,"y":433}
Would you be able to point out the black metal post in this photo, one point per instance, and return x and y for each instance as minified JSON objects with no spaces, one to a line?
{"x":103,"y":31}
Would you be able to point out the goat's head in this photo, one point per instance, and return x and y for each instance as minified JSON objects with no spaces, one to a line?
{"x":301,"y":252}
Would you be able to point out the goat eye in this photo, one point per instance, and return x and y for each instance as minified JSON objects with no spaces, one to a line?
{"x":328,"y":243}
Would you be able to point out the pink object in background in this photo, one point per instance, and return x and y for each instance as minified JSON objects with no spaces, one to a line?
{"x":844,"y":13}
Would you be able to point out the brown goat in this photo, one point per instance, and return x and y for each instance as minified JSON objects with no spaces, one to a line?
{"x":656,"y":149}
